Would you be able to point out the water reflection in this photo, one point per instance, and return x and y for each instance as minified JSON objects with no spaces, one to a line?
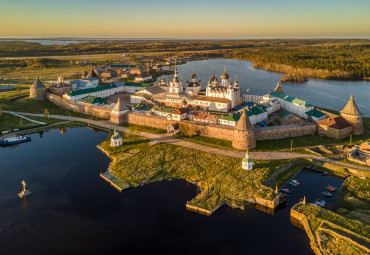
{"x":324,"y":93}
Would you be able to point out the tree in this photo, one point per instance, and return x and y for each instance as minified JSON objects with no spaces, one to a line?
{"x":46,"y":113}
{"x":188,"y":129}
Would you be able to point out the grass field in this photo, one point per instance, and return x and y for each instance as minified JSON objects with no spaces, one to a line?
{"x":218,"y":143}
{"x":329,"y":242}
{"x":134,"y":128}
{"x":220,"y":178}
{"x":307,"y":140}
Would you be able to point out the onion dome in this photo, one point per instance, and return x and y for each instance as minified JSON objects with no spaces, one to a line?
{"x":214,"y":78}
{"x":193,"y":84}
{"x":224,"y":75}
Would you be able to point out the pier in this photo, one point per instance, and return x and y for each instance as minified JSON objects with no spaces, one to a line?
{"x":116,"y":182}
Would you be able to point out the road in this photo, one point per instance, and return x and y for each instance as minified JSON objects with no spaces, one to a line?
{"x":169,"y":138}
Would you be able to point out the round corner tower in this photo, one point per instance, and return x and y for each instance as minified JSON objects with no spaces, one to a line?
{"x":244,"y":134}
{"x":353,"y":116}
{"x":37,"y":90}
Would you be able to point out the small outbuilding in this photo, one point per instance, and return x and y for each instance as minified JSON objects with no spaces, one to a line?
{"x":247,"y":162}
{"x":116,"y":139}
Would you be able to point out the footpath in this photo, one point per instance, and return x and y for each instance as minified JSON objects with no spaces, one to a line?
{"x":169,"y":138}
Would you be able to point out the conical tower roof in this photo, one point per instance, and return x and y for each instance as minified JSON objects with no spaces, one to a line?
{"x":278,"y":89}
{"x":92,"y":73}
{"x":244,"y":122}
{"x":351,"y":107}
{"x":119,"y":106}
{"x":37,"y":84}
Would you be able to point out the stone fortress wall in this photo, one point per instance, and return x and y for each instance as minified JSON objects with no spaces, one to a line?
{"x":287,"y":131}
{"x":92,"y":110}
{"x":224,"y":132}
{"x":204,"y":129}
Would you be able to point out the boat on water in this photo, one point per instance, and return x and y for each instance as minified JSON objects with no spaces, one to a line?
{"x":14,"y":140}
{"x":285,"y":191}
{"x":25,"y":192}
{"x":331,"y":188}
{"x":327,"y":194}
{"x":324,"y":173}
{"x":293,"y":184}
{"x":296,"y":182}
{"x":319,"y":202}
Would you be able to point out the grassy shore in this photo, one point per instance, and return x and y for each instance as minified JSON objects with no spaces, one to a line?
{"x":329,"y":231}
{"x":220,"y":178}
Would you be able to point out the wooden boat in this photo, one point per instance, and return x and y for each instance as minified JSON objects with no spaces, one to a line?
{"x":320,"y":203}
{"x":331,"y":188}
{"x":327,"y":194}
{"x":296,"y":182}
{"x":293,"y":184}
{"x":285,"y":191}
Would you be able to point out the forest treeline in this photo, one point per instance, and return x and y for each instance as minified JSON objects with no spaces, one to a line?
{"x":343,"y":61}
{"x":321,"y":58}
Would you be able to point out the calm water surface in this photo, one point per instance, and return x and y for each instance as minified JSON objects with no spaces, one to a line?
{"x":324,"y":93}
{"x":73,"y":211}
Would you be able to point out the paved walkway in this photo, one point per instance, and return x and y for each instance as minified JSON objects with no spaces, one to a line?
{"x":168,"y":138}
{"x":23,"y":117}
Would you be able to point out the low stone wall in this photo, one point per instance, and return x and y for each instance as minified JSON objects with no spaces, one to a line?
{"x":91,"y":110}
{"x":302,"y":219}
{"x":279,"y":132}
{"x":283,"y":168}
{"x":335,"y":133}
{"x":268,"y":203}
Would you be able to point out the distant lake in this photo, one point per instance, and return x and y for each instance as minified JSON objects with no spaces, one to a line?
{"x":73,"y":211}
{"x":325,"y":93}
{"x":53,"y":42}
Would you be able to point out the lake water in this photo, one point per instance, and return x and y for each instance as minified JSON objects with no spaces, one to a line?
{"x":73,"y":211}
{"x":324,"y":93}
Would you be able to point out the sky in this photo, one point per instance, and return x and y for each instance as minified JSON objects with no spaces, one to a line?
{"x":192,"y":19}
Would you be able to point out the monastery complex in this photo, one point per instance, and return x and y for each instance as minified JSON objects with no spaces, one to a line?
{"x":219,"y":110}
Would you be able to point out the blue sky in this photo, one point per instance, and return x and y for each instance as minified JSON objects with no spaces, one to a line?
{"x":186,"y":19}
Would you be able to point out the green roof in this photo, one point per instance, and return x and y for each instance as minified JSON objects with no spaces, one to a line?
{"x":143,"y":108}
{"x":256,"y":110}
{"x":163,"y":109}
{"x":119,"y":65}
{"x":94,"y":100}
{"x":247,"y":160}
{"x":292,"y":99}
{"x":283,"y":114}
{"x":138,"y":84}
{"x":315,"y":113}
{"x":91,"y":90}
{"x":231,"y":117}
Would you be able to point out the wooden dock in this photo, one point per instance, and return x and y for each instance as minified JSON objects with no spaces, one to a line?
{"x":116,"y":182}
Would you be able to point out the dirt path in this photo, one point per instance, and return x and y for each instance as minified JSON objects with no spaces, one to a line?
{"x":168,"y":138}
